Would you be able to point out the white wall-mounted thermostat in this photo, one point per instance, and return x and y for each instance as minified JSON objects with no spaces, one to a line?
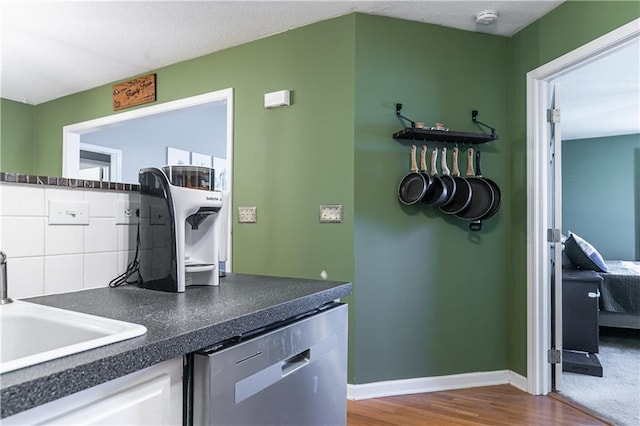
{"x":277,"y":99}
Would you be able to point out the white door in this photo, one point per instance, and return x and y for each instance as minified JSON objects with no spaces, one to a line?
{"x":555,"y":223}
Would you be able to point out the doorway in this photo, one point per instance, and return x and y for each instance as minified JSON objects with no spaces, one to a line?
{"x":540,"y":314}
{"x":100,"y":163}
{"x":73,"y":145}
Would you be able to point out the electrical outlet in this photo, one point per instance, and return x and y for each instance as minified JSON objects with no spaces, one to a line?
{"x":247,"y":215}
{"x":158,"y":215}
{"x":331,"y":213}
{"x":126,"y":212}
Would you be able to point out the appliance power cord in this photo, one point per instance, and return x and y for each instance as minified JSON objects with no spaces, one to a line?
{"x":132,"y":268}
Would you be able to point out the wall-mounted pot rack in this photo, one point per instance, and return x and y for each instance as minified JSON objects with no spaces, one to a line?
{"x":488,"y":200}
{"x":430,"y":134}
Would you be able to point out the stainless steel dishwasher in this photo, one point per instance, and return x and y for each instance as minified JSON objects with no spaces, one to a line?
{"x":294,"y":373}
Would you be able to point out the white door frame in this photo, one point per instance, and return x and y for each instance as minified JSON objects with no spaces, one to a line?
{"x":71,"y":137}
{"x":538,"y":268}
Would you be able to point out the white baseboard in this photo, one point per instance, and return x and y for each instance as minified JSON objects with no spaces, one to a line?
{"x":433,"y":384}
{"x":518,"y":381}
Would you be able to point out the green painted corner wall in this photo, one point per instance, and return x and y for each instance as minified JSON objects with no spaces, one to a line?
{"x":431,"y":295}
{"x":16,"y":137}
{"x":569,"y":26}
{"x":430,"y":298}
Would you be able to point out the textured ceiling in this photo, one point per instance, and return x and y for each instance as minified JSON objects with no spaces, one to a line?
{"x":54,"y":48}
{"x":602,"y":98}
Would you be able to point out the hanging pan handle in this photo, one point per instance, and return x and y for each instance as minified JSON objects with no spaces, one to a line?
{"x":443,"y":162}
{"x":414,"y":165}
{"x":434,"y":162}
{"x":454,"y":159}
{"x":478,"y":171}
{"x":476,"y":225}
{"x":470,"y":171}
{"x":423,"y":159}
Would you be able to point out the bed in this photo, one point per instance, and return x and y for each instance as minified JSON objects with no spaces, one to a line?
{"x":620,"y":289}
{"x":620,"y":294}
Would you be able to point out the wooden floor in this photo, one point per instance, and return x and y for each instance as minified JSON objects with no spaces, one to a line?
{"x":491,"y":405}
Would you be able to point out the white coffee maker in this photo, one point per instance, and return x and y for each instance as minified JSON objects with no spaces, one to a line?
{"x":179,"y":227}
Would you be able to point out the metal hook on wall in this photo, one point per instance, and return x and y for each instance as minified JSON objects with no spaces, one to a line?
{"x":474,"y":118}
{"x":398,"y":110}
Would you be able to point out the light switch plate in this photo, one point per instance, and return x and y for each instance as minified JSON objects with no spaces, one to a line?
{"x":331,"y":213}
{"x":68,"y":212}
{"x":247,"y":215}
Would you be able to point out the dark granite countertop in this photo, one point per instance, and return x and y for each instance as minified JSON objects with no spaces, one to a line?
{"x":177,"y":323}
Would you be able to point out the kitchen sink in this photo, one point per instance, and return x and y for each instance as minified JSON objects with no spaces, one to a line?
{"x":32,"y":333}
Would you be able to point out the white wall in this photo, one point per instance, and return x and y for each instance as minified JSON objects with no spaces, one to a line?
{"x":46,"y":259}
{"x":144,"y":141}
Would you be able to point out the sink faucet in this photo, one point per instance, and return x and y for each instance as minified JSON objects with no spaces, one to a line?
{"x":4,"y":299}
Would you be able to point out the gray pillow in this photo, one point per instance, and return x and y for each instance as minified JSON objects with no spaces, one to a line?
{"x":566,"y":262}
{"x":583,"y":255}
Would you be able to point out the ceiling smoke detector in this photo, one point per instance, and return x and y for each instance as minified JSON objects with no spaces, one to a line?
{"x":486,"y":17}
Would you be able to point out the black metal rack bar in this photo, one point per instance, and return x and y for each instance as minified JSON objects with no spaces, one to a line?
{"x":428,"y":134}
{"x":442,"y":136}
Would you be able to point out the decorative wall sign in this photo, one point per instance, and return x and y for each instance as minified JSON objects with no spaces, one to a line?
{"x":134,"y":92}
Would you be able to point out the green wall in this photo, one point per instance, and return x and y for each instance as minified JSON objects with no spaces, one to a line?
{"x":16,"y":137}
{"x":287,"y":161}
{"x":430,"y":295}
{"x":600,"y":192}
{"x":569,"y":26}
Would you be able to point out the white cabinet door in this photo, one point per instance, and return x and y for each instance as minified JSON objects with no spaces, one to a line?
{"x":143,"y":404}
{"x":152,"y":396}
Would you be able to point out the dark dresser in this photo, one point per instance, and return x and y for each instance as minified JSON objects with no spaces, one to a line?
{"x":580,"y":293}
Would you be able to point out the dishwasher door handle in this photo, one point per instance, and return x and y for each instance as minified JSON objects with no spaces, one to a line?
{"x":266,"y":377}
{"x":295,"y":362}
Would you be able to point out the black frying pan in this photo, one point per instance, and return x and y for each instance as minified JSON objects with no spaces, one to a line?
{"x":433,"y":187}
{"x":447,"y":180}
{"x":497,"y":201}
{"x":414,"y":184}
{"x":482,"y":195}
{"x":438,"y":196}
{"x":462,"y":195}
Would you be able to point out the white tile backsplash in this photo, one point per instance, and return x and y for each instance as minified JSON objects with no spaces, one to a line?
{"x":103,"y":204}
{"x":22,"y":236}
{"x":101,"y":235}
{"x":100,"y":269}
{"x":133,"y":197}
{"x":22,"y":200}
{"x":63,"y":273}
{"x":127,"y":237}
{"x":63,"y":239}
{"x":25,"y":276}
{"x":48,"y":259}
